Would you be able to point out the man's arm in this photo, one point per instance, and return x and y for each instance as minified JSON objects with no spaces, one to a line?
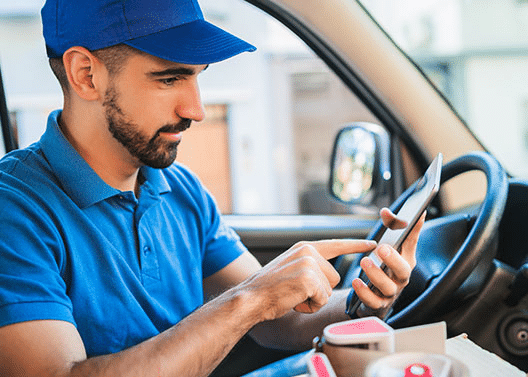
{"x":300,"y":278}
{"x":54,"y":348}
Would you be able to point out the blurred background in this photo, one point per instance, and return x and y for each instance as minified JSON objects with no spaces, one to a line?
{"x":261,"y":149}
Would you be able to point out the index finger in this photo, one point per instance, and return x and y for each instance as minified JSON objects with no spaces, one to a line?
{"x":333,"y":248}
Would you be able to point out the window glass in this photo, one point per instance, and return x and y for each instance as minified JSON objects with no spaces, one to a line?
{"x":476,"y":53}
{"x":284,"y":108}
{"x":271,"y":115}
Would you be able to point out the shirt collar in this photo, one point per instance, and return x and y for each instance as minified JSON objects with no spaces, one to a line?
{"x":78,"y":179}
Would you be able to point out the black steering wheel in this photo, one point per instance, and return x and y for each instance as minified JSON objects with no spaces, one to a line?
{"x":451,"y":247}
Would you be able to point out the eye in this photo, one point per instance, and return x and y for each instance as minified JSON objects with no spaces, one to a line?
{"x":169,"y":81}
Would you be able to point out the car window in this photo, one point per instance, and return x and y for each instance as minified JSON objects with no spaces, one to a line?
{"x":31,"y":89}
{"x":476,"y":53}
{"x":283,"y":108}
{"x":271,"y":115}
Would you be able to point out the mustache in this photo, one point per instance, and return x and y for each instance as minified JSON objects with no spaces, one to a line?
{"x":181,"y":126}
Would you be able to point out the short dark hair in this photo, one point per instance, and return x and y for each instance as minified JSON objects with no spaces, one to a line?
{"x":113,"y":58}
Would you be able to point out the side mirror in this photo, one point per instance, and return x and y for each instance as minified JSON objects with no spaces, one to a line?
{"x":360,"y":167}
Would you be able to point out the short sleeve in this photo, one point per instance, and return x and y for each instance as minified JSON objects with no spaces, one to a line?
{"x":31,"y":285}
{"x":222,"y":248}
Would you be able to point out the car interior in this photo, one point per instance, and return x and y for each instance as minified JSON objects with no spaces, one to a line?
{"x":472,"y":269}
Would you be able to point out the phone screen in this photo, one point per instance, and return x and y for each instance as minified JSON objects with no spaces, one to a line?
{"x":424,"y":191}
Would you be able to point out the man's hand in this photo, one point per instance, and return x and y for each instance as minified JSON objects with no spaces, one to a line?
{"x":301,"y":278}
{"x":388,"y":285}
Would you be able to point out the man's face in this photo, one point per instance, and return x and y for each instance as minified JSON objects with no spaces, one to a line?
{"x":150,"y":150}
{"x":149,"y":104}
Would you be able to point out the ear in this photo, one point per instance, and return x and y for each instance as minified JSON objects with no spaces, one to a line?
{"x":84,"y":73}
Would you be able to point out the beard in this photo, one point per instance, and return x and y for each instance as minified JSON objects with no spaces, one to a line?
{"x":151,"y":151}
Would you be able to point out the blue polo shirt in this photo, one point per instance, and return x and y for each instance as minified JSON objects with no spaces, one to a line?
{"x":121,"y":269}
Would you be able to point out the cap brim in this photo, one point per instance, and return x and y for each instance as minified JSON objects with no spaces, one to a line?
{"x":196,"y":42}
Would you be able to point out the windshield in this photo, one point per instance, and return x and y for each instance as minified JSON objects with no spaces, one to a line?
{"x":476,"y":53}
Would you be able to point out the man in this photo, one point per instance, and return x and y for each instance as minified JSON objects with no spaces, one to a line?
{"x":107,"y":247}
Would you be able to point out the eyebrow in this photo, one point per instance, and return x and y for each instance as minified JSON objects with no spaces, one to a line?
{"x":175,"y":72}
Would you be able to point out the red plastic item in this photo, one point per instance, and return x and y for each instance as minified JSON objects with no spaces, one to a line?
{"x":366,"y":326}
{"x":320,"y":366}
{"x":418,"y":370}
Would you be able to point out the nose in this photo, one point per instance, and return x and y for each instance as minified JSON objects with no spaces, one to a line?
{"x":190,"y":105}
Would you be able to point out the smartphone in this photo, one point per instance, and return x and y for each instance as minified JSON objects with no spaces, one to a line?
{"x":423,"y":193}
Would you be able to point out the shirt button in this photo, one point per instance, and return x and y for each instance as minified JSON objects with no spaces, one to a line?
{"x":146,"y":250}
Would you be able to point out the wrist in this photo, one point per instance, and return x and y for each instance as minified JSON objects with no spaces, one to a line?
{"x":252,"y":303}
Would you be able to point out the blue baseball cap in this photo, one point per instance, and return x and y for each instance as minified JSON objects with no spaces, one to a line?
{"x":173,"y":30}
